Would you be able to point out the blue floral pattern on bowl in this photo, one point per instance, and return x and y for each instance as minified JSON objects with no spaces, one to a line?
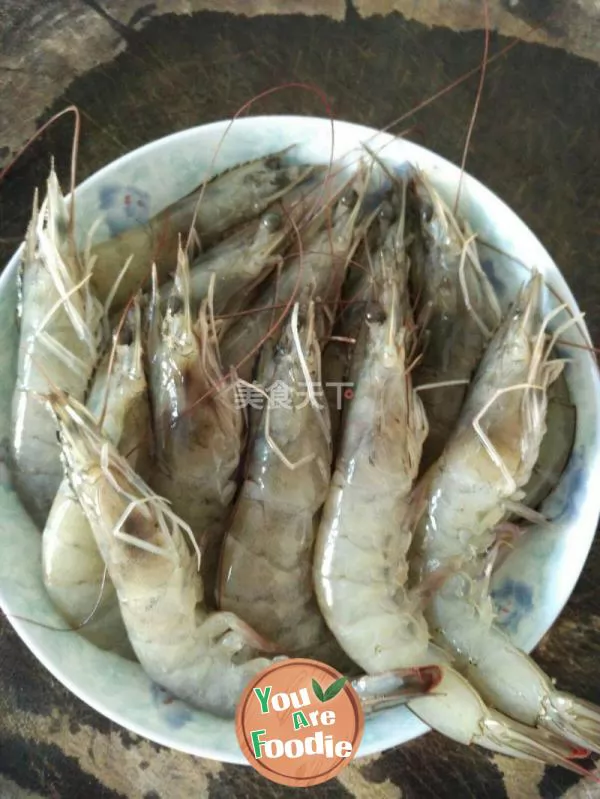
{"x":512,"y":600}
{"x":125,"y":206}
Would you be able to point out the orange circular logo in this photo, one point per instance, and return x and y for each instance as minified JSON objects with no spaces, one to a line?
{"x":299,"y":722}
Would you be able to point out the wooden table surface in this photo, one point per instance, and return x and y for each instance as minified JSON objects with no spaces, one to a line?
{"x":137,"y":73}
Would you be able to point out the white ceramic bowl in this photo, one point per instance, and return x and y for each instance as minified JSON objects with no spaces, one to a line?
{"x":533,"y":584}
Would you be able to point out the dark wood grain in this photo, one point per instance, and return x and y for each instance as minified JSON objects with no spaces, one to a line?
{"x":536,"y":143}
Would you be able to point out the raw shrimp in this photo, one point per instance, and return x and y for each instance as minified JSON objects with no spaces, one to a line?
{"x":73,"y":570}
{"x":197,"y":423}
{"x":472,"y":488}
{"x":368,"y":501}
{"x":60,"y":337}
{"x":266,"y":559}
{"x":229,"y":199}
{"x":360,"y":565}
{"x":319,"y":268}
{"x":245,"y":258}
{"x":203,"y":658}
{"x":455,"y":303}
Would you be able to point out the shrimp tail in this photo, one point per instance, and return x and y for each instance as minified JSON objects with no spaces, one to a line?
{"x":572,"y":718}
{"x":395,"y":687}
{"x":248,"y":635}
{"x":456,"y":710}
{"x":529,"y":743}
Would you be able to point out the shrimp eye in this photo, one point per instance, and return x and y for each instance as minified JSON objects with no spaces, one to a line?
{"x":174,"y":304}
{"x":427,"y":212}
{"x":280,"y":179}
{"x":349,"y":198}
{"x":271,"y":221}
{"x":387,"y":212}
{"x":375,"y":313}
{"x":273,"y":162}
{"x":126,"y":336}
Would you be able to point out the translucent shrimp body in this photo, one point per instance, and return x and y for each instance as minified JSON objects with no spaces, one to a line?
{"x":58,"y":347}
{"x":197,"y":424}
{"x":266,"y":561}
{"x":365,"y":526}
{"x":496,"y":442}
{"x":201,"y":657}
{"x":73,"y":570}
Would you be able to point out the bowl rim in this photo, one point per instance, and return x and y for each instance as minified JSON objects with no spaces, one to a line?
{"x":359,"y":132}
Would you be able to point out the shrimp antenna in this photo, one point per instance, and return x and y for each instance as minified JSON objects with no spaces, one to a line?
{"x":115,"y":286}
{"x":303,"y":364}
{"x":489,"y":447}
{"x":292,"y":465}
{"x":465,"y":291}
{"x":71,"y":109}
{"x":486,"y":47}
{"x":133,"y":301}
{"x":80,"y":625}
{"x":381,"y":163}
{"x":212,"y":320}
{"x":54,"y":346}
{"x":565,"y":305}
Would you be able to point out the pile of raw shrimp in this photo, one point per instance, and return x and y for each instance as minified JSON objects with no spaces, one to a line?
{"x":300,"y":433}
